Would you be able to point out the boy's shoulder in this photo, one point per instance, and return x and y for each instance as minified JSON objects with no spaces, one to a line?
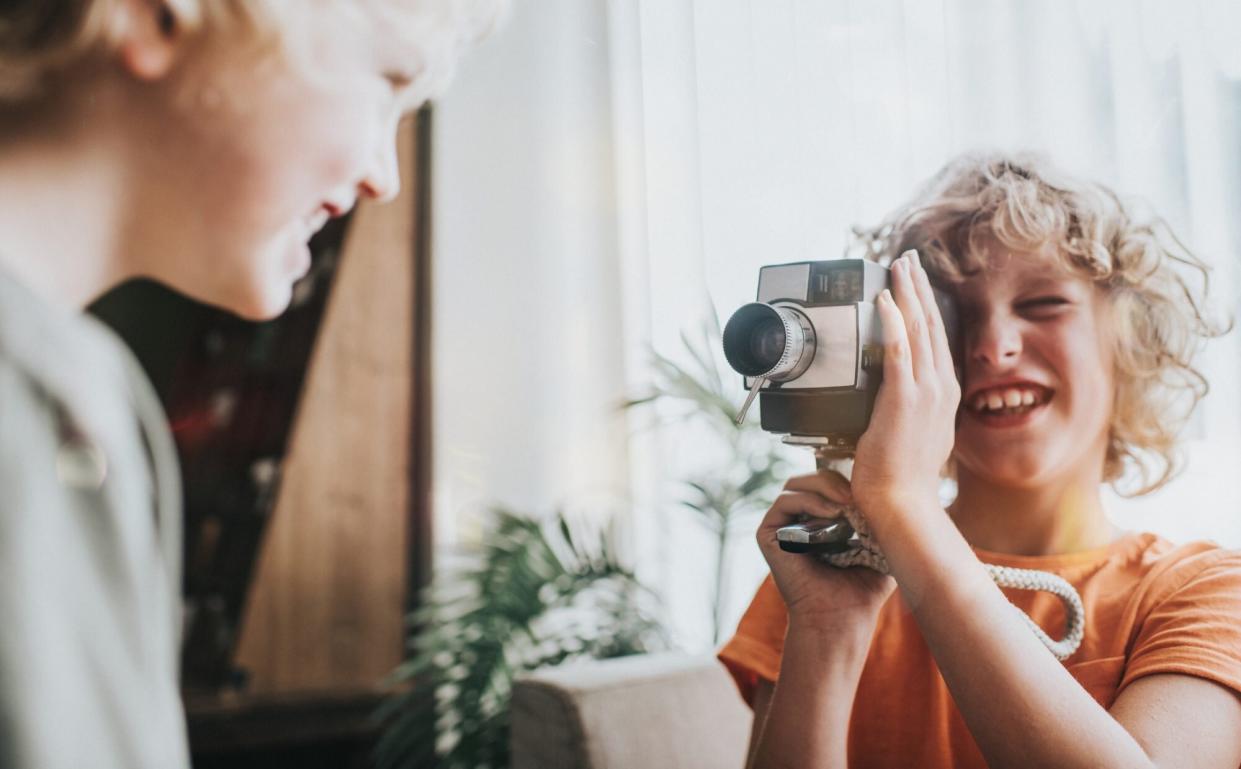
{"x":51,"y":342}
{"x":71,"y":362}
{"x":1161,"y":576}
{"x":1173,"y":564}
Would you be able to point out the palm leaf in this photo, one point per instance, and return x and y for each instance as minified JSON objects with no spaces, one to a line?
{"x":502,"y":617}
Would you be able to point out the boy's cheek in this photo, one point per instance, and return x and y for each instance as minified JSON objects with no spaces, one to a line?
{"x":331,"y":148}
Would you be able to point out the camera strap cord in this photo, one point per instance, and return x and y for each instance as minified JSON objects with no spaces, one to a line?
{"x":864,"y":551}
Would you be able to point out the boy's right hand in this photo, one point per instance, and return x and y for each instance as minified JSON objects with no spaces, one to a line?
{"x":814,"y":592}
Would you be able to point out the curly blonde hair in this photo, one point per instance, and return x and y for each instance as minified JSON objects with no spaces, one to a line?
{"x":1156,"y":288}
{"x":40,"y":39}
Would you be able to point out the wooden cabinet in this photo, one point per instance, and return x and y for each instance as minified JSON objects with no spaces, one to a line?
{"x":330,"y":591}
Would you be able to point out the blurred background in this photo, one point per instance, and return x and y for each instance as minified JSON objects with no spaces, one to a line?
{"x":609,"y":176}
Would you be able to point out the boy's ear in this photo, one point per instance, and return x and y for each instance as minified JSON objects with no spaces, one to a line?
{"x":149,"y":38}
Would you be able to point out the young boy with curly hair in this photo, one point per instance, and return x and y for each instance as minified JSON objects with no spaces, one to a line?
{"x":1079,"y":327}
{"x":199,"y":143}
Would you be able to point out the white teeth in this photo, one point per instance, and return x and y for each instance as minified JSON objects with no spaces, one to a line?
{"x":1006,"y":398}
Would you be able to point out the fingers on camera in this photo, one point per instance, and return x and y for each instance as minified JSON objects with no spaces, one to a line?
{"x":830,"y":485}
{"x":906,"y":276}
{"x":934,"y":322}
{"x":896,"y":366}
{"x":824,"y":480}
{"x":793,"y":505}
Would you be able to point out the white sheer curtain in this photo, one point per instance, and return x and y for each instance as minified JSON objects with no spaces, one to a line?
{"x":526,"y":319}
{"x":606,"y":171}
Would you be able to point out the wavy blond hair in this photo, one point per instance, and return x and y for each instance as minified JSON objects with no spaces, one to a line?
{"x":40,"y":39}
{"x":1156,"y":288}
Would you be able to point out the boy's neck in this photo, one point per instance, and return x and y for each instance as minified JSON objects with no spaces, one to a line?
{"x":61,"y":192}
{"x":1053,"y":518}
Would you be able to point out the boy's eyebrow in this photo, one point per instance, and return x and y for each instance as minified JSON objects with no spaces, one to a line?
{"x":1045,"y":283}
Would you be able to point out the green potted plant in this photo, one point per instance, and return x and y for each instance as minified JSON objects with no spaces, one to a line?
{"x":536,"y":593}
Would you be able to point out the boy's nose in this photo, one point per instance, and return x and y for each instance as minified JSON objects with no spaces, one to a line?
{"x":997,"y":342}
{"x":382,"y":180}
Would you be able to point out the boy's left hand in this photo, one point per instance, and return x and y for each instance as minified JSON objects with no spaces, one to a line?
{"x":896,"y":470}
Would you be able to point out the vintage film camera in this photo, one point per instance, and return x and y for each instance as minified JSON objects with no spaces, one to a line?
{"x":810,"y":349}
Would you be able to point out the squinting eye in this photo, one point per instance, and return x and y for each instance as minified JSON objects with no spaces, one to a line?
{"x":1043,"y":303}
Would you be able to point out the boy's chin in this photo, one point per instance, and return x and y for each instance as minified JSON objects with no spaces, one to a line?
{"x":257,"y":290}
{"x":259,"y":303}
{"x":1009,"y":472}
{"x":267,"y":305}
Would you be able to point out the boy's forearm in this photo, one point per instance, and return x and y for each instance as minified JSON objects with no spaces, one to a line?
{"x":1019,"y":702}
{"x":808,"y":721}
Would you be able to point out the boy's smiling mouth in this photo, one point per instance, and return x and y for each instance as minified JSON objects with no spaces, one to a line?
{"x":1008,"y":404}
{"x":315,"y":221}
{"x":329,"y":209}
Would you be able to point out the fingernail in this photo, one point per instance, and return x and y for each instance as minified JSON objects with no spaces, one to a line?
{"x":886,"y":296}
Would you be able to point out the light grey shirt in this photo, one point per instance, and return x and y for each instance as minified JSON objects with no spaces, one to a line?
{"x":90,"y":549}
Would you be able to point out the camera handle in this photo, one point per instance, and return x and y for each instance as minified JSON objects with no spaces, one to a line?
{"x":863,"y":550}
{"x":749,"y":399}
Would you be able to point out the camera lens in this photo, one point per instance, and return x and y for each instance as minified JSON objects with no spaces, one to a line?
{"x":765,"y":341}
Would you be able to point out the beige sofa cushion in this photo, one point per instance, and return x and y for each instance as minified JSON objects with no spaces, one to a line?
{"x":671,"y":711}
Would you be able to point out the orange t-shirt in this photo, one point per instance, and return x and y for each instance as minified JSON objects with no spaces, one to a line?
{"x":1151,"y":607}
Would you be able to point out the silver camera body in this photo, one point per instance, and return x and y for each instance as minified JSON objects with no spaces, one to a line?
{"x":811,"y":348}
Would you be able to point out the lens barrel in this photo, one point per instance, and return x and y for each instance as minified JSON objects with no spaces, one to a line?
{"x":762,"y":340}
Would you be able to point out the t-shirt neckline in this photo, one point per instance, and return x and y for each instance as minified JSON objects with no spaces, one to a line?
{"x":1126,"y":543}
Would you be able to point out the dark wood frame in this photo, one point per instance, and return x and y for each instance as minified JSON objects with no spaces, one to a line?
{"x":421,"y":436}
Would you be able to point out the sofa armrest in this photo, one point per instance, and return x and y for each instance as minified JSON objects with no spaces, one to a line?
{"x":672,"y":711}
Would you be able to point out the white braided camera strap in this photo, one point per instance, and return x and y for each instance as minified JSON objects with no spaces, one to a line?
{"x":864,"y":551}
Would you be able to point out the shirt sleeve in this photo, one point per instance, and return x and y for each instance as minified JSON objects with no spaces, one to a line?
{"x":754,"y":651}
{"x":1196,"y":628}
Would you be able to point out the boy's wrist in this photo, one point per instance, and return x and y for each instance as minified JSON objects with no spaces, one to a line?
{"x":904,"y":508}
{"x":929,"y":557}
{"x":842,"y":636}
{"x":900,"y":520}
